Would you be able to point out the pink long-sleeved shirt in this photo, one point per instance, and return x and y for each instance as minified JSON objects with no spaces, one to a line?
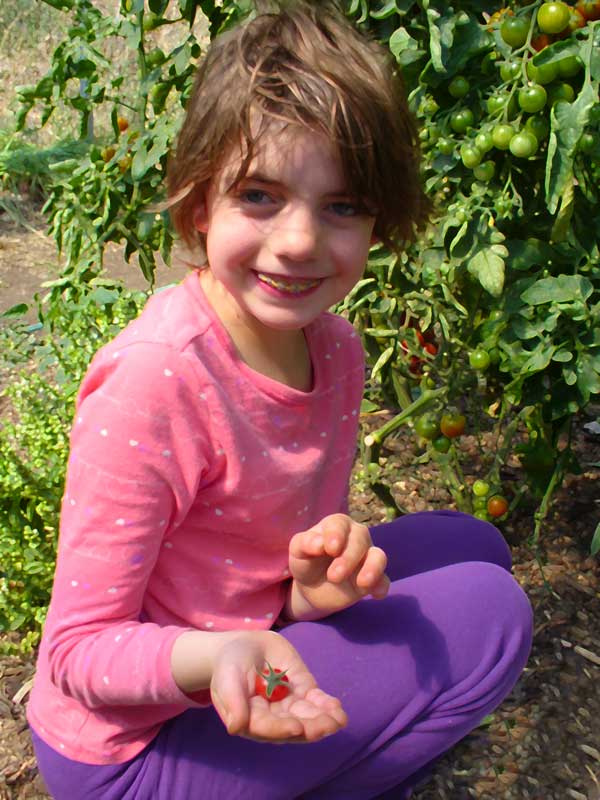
{"x":189,"y":472}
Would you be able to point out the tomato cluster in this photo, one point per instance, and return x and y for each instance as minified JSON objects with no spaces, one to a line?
{"x":486,"y":503}
{"x":426,"y":342}
{"x":515,"y":114}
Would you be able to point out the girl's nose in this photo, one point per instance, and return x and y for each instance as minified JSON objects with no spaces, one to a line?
{"x":295,"y":235}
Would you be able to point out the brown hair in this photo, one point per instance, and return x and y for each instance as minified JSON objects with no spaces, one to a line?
{"x":303,"y":64}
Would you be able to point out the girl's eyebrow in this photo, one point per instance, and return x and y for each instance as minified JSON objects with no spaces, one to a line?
{"x":259,"y":177}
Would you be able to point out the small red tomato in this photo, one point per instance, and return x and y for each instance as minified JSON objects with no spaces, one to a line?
{"x":272,"y":684}
{"x":430,"y":348}
{"x":122,"y":124}
{"x":497,"y":506}
{"x":452,"y":425}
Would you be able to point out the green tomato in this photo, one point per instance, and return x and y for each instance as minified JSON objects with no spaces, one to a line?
{"x":510,"y":70}
{"x":542,"y":74}
{"x":539,"y":126}
{"x":514,"y":30}
{"x":441,"y":444}
{"x":471,"y":156}
{"x":461,"y":120}
{"x":427,"y":427}
{"x":588,"y":142}
{"x":569,"y":66}
{"x":484,"y":141}
{"x":482,"y":515}
{"x":445,"y":146}
{"x":429,"y":106}
{"x":503,"y":206}
{"x":459,"y":86}
{"x":523,"y":144}
{"x":485,"y":171}
{"x":553,"y":17}
{"x":480,"y":504}
{"x":532,"y":98}
{"x":481,"y":488}
{"x":501,"y":136}
{"x":561,"y":92}
{"x":495,"y":104}
{"x":479,"y":360}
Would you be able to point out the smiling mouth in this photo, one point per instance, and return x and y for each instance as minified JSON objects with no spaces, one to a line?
{"x":291,"y":286}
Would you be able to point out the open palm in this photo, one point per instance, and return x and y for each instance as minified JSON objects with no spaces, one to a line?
{"x":305,"y":715}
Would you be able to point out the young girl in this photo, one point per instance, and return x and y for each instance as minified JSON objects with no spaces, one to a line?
{"x":204,"y":532}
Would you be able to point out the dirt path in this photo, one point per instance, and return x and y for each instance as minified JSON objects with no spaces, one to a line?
{"x":544,"y":741}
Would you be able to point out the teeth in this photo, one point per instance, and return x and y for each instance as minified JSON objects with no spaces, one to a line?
{"x":284,"y":286}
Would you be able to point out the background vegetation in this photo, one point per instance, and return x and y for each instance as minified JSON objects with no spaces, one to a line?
{"x":489,"y":324}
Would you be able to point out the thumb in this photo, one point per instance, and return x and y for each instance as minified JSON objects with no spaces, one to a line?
{"x":229,"y":692}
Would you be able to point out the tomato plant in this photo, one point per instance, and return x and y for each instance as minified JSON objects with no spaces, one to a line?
{"x":272,"y":684}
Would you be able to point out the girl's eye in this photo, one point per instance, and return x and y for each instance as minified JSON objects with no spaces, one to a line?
{"x":344,"y":209}
{"x":254,"y":196}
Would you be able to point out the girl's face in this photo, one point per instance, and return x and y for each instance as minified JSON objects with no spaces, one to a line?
{"x":287,"y":242}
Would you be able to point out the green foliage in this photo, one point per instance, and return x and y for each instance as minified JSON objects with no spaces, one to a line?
{"x":510,"y":264}
{"x":47,"y":362}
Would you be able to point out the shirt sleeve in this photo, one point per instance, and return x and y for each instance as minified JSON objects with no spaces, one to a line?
{"x":138,"y":454}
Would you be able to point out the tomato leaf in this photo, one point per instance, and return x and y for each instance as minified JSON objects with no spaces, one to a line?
{"x":561,"y":289}
{"x":488,"y":267}
{"x":405,"y":49}
{"x":568,"y":123}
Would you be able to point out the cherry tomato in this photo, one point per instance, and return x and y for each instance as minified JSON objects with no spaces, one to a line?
{"x":542,"y":74}
{"x":461,"y":120}
{"x":588,"y":142}
{"x":540,"y":42}
{"x":532,"y":98}
{"x":108,"y":153}
{"x":480,"y":488}
{"x":459,"y":86}
{"x":445,"y":146}
{"x":576,"y":21}
{"x":539,"y":126}
{"x":481,"y":515}
{"x":427,"y":427}
{"x":452,"y":425}
{"x":523,"y":144}
{"x":485,"y":171}
{"x":569,"y":67}
{"x":484,"y":141}
{"x":589,"y":9}
{"x":122,"y":124}
{"x":514,"y":30}
{"x":561,"y":92}
{"x":272,"y":684}
{"x":431,"y":348}
{"x":497,"y":506}
{"x":480,"y":504}
{"x":479,"y":360}
{"x":553,"y":17}
{"x":441,"y":444}
{"x":495,"y":104}
{"x":471,"y":156}
{"x":510,"y":70}
{"x":502,"y":135}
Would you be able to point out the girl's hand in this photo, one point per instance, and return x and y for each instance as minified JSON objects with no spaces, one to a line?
{"x":333,"y":565}
{"x":305,"y":715}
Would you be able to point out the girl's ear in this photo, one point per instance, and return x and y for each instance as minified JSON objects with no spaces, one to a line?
{"x":200,"y":217}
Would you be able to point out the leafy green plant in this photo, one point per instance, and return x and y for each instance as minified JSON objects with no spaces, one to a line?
{"x":510,"y":266}
{"x":47,"y":362}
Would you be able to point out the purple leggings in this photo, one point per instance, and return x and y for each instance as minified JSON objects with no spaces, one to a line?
{"x":415,"y":672}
